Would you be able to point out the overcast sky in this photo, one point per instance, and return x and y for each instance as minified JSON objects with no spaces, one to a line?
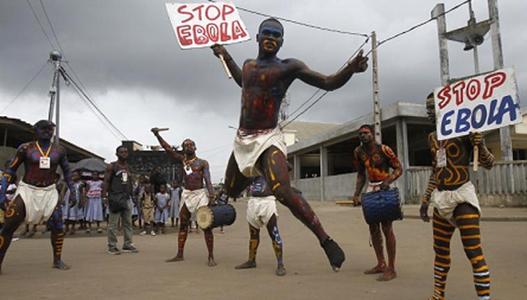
{"x":127,"y":56}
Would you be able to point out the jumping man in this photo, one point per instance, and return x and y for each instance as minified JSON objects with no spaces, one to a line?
{"x":259,"y":145}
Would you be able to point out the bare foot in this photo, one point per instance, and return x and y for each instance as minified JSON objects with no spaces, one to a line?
{"x":378,"y":269}
{"x":387,"y":275}
{"x":175,"y":258}
{"x":211,"y":262}
{"x":280,"y":270}
{"x":61,"y":265}
{"x":246,"y":265}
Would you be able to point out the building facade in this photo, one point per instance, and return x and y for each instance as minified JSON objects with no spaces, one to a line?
{"x":323,"y":169}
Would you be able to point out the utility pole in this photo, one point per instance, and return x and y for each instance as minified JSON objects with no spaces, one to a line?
{"x":55,"y":57}
{"x":495,"y":36}
{"x":472,"y":36}
{"x":375,"y":80}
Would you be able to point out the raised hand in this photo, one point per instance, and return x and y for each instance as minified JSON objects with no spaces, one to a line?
{"x":219,"y":50}
{"x":359,"y":63}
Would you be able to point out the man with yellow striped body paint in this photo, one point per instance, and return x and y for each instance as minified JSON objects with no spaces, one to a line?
{"x":455,"y":205}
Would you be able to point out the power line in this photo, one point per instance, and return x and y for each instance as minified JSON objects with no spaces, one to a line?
{"x":40,"y":23}
{"x":80,"y":87}
{"x":298,"y":22}
{"x":24,"y":88}
{"x":96,"y":115}
{"x":421,"y":24}
{"x":51,"y":26}
{"x":76,"y":85}
{"x":318,"y":90}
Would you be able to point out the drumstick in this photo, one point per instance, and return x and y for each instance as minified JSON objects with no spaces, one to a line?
{"x":162,"y":129}
{"x":225,"y":67}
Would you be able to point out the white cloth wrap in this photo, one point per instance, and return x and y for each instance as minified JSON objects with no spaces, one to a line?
{"x":194,"y":199}
{"x":375,"y":186}
{"x":447,"y":201}
{"x":260,"y":210}
{"x":248,"y":148}
{"x":39,"y":201}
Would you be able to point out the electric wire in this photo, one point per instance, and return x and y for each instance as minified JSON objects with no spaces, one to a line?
{"x":77,"y":86}
{"x":254,"y":12}
{"x":40,"y":23}
{"x":24,"y":88}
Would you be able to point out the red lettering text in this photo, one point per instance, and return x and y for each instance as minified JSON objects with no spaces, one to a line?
{"x":444,"y":96}
{"x":473,"y":89}
{"x":493,"y":81}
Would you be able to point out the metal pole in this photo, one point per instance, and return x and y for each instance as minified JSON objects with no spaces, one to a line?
{"x":52,"y":93}
{"x":375,"y":81}
{"x":472,"y":21}
{"x":439,"y":14}
{"x":57,"y":107}
{"x":505,"y":136}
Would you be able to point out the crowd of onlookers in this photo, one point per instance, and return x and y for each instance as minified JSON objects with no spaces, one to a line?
{"x":154,"y":203}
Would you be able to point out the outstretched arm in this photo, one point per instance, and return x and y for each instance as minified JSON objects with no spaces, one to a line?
{"x":335,"y":81}
{"x":231,"y":64}
{"x":166,"y":146}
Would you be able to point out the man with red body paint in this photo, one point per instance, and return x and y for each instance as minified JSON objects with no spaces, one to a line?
{"x":37,"y":198}
{"x":376,"y":160}
{"x":259,"y":147}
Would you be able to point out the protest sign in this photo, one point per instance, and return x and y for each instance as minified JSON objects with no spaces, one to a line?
{"x":200,"y":25}
{"x":477,"y":104}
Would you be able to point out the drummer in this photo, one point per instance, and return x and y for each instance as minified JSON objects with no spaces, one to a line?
{"x":261,"y":211}
{"x":197,"y":192}
{"x":377,"y":159}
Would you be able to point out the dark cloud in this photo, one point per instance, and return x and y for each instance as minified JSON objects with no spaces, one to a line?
{"x":127,"y":56}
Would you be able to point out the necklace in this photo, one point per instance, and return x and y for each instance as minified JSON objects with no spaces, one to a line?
{"x":42,"y":152}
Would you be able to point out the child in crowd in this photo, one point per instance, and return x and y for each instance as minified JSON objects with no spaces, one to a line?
{"x":162,"y":201}
{"x":147,"y":209}
{"x":94,"y":211}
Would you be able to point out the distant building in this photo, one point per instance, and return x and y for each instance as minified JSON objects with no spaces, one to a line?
{"x":323,"y":169}
{"x":142,"y":161}
{"x":14,"y":132}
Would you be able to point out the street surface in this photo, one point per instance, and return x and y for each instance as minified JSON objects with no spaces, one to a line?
{"x":27,"y":272}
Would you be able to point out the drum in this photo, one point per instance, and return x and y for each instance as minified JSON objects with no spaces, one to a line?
{"x":214,"y":216}
{"x":383,"y":205}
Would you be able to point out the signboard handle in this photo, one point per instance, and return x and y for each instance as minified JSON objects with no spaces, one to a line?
{"x":476,"y":158}
{"x":225,"y":67}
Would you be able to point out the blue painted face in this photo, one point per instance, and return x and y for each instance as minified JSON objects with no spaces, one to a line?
{"x":45,"y":132}
{"x":270,"y":36}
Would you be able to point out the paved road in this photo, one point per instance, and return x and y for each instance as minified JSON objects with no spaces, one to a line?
{"x":96,"y":275}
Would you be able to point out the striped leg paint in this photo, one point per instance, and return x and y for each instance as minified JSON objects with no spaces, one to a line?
{"x":442,"y":234}
{"x":468,"y":225}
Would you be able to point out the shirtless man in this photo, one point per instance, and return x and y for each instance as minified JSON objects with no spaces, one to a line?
{"x":376,"y":160}
{"x":37,"y":198}
{"x":259,"y":145}
{"x":197,"y":192}
{"x":456,"y":205}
